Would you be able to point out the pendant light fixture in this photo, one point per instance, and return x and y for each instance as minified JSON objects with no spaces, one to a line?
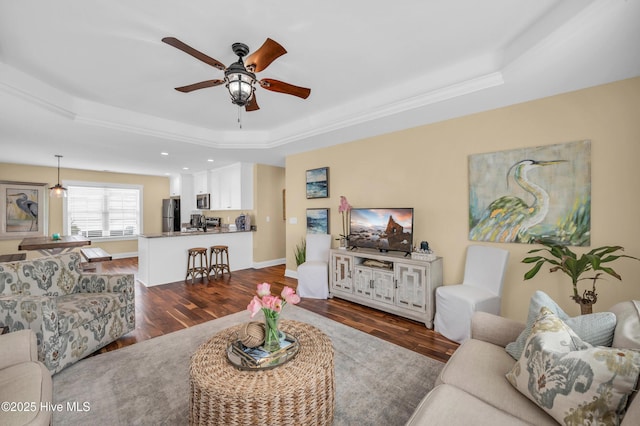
{"x":58,"y":190}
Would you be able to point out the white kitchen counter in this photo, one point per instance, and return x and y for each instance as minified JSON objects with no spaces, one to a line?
{"x":162,"y":258}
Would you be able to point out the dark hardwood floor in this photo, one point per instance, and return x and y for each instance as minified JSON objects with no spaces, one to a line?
{"x":171,"y":307}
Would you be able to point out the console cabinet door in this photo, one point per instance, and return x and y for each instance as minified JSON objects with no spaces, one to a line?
{"x":362,"y":281}
{"x":411,"y":292}
{"x":342,"y":278}
{"x":383,"y":286}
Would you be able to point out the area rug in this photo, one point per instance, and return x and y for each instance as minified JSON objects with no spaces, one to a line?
{"x":377,"y":383}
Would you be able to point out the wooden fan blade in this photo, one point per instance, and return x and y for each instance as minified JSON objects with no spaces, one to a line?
{"x":172,"y":41}
{"x":282,"y":87}
{"x":252,"y":105}
{"x":201,"y":85}
{"x":267,"y":53}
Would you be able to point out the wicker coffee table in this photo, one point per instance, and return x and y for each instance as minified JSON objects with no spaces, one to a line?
{"x":302,"y":391}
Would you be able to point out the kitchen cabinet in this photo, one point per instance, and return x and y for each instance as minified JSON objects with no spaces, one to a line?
{"x":214,"y":190}
{"x":187,"y":197}
{"x":390,"y":282}
{"x":175,"y":186}
{"x":201,"y":182}
{"x":231,"y":187}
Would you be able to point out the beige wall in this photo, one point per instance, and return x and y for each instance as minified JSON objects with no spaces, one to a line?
{"x":269,"y":183}
{"x":426,"y":168}
{"x":268,"y":241}
{"x":155,"y":189}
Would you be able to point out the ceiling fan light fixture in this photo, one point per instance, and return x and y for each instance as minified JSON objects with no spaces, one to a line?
{"x":240,"y":83}
{"x":240,"y":80}
{"x":58,"y":191}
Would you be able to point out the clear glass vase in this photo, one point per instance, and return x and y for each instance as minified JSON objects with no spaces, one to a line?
{"x":343,"y":243}
{"x":271,"y":332}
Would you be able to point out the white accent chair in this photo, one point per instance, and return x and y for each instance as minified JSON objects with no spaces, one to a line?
{"x":481,"y":290}
{"x":313,"y":274}
{"x":24,"y":381}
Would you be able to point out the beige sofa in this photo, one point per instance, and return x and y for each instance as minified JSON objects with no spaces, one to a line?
{"x":472,"y":388}
{"x":25,"y":383}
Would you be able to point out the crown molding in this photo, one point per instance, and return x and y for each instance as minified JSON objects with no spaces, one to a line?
{"x":41,"y":95}
{"x":418,"y":101}
{"x":95,"y":114}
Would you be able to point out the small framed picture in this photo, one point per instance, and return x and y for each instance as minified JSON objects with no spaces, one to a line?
{"x":317,"y":221}
{"x":318,"y":183}
{"x":23,"y":210}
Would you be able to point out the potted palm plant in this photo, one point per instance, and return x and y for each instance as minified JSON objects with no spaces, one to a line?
{"x":300,"y":252}
{"x":565,"y":260}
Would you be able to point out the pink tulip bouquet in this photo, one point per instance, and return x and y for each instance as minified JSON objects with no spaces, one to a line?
{"x":271,"y":306}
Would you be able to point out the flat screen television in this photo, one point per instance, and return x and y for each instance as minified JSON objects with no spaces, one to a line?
{"x":382,"y":229}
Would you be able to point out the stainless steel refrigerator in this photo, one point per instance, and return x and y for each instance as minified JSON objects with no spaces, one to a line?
{"x":171,"y":214}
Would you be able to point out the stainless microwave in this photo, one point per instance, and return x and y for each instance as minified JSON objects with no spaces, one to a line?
{"x":202,"y":201}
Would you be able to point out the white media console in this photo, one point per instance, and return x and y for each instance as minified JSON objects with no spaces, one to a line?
{"x":391,"y":282}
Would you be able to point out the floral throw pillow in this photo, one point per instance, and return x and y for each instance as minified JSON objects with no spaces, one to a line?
{"x":574,"y":382}
{"x":596,"y":329}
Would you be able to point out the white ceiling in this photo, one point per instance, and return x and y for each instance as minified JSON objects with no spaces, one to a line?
{"x":92,"y":81}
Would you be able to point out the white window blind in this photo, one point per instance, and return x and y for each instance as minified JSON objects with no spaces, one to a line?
{"x":102,"y":210}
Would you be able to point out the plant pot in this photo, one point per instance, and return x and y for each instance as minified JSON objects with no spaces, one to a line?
{"x":586,"y":308}
{"x":343,"y":244}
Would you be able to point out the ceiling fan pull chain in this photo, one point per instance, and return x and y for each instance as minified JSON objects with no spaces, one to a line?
{"x":239,"y":117}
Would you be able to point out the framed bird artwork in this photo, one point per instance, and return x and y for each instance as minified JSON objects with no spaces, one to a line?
{"x":23,"y":210}
{"x":530,"y":194}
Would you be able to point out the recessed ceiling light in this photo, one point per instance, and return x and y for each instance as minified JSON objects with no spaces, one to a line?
{"x":210,"y":160}
{"x":185,"y":168}
{"x":164,"y":153}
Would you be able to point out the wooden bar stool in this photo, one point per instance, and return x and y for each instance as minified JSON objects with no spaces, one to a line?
{"x":221,"y":260}
{"x":199,"y":253}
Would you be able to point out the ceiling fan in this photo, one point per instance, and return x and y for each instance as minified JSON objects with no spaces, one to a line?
{"x":239,"y":77}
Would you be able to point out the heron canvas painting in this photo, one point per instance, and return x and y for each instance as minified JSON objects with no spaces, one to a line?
{"x":23,"y":212}
{"x":529,"y":194}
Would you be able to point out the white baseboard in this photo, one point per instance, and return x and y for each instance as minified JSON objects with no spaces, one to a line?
{"x":267,"y":263}
{"x":291,"y":273}
{"x":124,"y":255}
{"x":257,"y":265}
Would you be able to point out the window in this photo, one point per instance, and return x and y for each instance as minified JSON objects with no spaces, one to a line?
{"x":103,"y":210}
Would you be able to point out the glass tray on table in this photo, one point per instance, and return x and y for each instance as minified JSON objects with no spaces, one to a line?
{"x":246,"y":358}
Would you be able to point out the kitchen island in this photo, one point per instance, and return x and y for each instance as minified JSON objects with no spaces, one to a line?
{"x":162,"y":258}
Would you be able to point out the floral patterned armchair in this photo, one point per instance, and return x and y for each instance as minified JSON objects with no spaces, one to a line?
{"x":72,"y":314}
